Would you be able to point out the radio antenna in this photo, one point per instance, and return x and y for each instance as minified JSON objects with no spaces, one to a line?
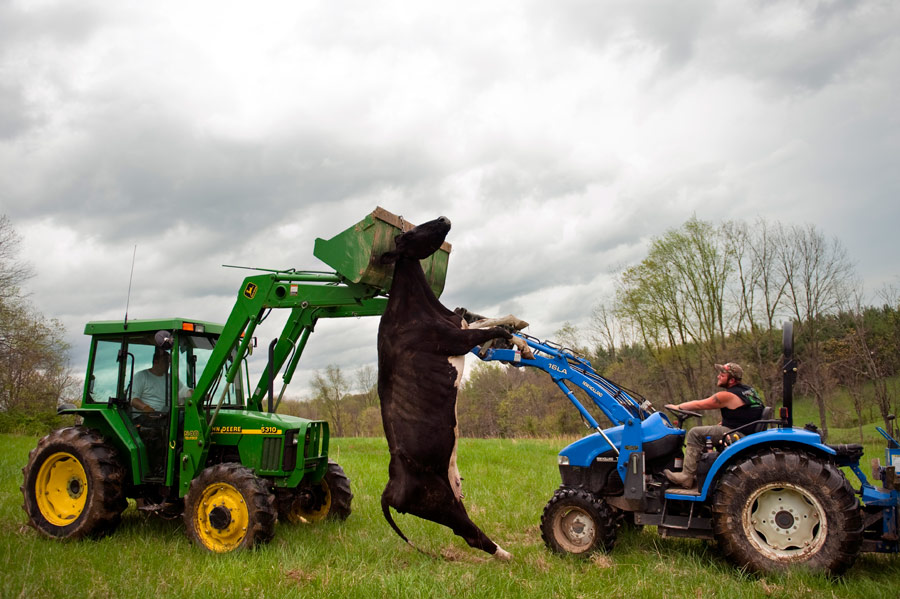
{"x":130,"y":278}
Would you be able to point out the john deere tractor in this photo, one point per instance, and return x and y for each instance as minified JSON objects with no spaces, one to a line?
{"x":215,"y":452}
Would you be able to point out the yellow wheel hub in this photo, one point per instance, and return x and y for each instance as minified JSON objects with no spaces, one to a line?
{"x":61,"y":489}
{"x":222,"y":517}
{"x":311,"y":508}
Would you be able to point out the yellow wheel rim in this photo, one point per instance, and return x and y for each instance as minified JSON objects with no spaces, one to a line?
{"x":304,"y":513}
{"x":61,"y":489}
{"x":222,"y":517}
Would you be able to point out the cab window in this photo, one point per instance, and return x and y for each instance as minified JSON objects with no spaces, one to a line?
{"x":116,"y":359}
{"x":194,"y":354}
{"x":103,"y":381}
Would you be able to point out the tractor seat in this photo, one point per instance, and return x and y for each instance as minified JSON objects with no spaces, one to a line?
{"x":761,"y":424}
{"x":765,"y":419}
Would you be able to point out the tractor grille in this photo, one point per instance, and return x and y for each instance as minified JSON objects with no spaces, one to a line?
{"x":290,"y":451}
{"x":271,"y":453}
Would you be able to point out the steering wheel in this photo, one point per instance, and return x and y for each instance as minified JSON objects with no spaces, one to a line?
{"x":682,"y":415}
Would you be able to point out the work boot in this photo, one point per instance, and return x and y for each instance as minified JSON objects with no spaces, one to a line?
{"x":682,"y":479}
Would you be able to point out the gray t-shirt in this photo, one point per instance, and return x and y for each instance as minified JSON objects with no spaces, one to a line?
{"x":150,"y":389}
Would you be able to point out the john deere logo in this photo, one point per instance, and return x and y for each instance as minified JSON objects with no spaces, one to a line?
{"x":250,"y":290}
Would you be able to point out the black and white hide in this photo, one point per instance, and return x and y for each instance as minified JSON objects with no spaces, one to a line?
{"x":421,"y":350}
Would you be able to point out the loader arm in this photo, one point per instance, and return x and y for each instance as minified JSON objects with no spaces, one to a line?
{"x":565,"y":367}
{"x":309,"y":296}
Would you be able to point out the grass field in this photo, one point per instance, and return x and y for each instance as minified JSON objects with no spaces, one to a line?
{"x":507,"y":483}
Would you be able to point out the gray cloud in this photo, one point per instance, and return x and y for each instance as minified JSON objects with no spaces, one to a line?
{"x":559,"y":138}
{"x":64,"y":23}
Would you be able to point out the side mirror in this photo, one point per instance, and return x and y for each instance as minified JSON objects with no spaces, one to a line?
{"x":787,"y":340}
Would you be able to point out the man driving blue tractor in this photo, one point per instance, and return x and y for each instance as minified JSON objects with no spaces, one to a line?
{"x":740,"y":405}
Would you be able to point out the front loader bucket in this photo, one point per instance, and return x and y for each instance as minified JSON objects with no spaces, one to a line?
{"x":355,"y":252}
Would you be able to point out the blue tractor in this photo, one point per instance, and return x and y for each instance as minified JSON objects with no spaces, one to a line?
{"x":771,"y":495}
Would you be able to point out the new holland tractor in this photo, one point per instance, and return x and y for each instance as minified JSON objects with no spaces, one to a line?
{"x":215,"y":453}
{"x":773,"y":496}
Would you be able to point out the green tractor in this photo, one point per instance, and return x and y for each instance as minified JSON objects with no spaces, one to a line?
{"x":204,"y":446}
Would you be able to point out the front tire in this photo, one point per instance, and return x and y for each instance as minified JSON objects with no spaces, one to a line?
{"x":782,"y":508}
{"x":330,"y":499}
{"x":228,"y":508}
{"x":576,"y":522}
{"x":73,"y":485}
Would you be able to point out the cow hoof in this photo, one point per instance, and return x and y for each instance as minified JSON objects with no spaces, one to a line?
{"x":502,"y":555}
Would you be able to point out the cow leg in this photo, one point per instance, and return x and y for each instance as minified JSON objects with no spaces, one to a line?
{"x":428,"y":496}
{"x":456,"y":342}
{"x":457,"y":519}
{"x":509,"y":320}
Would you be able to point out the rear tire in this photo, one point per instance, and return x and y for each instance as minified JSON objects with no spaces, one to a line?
{"x":575,"y":522}
{"x":783,"y":508}
{"x":329,"y":499}
{"x":228,"y":508}
{"x":73,"y":485}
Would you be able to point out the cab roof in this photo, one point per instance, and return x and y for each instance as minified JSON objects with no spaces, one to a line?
{"x":104,"y":327}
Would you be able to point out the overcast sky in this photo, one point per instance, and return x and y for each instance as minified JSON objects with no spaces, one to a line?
{"x":559,"y":137}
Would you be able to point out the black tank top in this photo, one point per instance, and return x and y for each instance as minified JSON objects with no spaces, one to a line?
{"x":749,"y":412}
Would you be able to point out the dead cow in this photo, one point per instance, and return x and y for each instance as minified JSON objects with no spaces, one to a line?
{"x":421,"y":349}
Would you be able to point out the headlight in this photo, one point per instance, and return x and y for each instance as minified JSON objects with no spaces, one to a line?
{"x":563,"y":460}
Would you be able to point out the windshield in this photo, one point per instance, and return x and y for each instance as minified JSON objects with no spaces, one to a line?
{"x":194,"y":354}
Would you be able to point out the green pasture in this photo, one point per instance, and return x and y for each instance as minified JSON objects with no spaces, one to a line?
{"x":507,"y":483}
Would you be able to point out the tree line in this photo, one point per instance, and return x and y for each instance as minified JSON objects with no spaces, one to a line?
{"x":705,"y":293}
{"x":34,"y":372}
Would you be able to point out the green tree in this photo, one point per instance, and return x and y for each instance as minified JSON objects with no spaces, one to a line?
{"x":34,"y":373}
{"x":479,"y":399}
{"x":675,"y":298}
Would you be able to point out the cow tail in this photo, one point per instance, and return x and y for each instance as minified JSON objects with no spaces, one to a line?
{"x":386,"y":510}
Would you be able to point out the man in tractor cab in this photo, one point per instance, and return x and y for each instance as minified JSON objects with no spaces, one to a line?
{"x":148,"y":403}
{"x":740,"y":405}
{"x":148,"y":390}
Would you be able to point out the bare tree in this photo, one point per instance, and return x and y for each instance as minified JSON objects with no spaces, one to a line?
{"x":869,"y":353}
{"x":367,"y":384}
{"x":329,"y":392}
{"x":568,"y":336}
{"x":759,"y":291}
{"x":604,"y":330}
{"x":13,"y":272}
{"x":818,"y":274}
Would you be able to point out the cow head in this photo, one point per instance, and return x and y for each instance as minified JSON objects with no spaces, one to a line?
{"x":420,"y":242}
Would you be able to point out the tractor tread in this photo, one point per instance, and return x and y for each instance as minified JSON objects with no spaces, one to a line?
{"x":105,"y":476}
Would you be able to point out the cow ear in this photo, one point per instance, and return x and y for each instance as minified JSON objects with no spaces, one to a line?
{"x":389,"y":257}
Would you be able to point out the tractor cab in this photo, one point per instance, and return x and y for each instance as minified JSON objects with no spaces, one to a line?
{"x":144,"y":387}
